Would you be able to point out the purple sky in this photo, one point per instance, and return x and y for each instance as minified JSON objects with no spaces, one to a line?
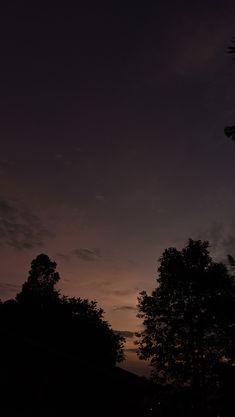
{"x":112,"y":143}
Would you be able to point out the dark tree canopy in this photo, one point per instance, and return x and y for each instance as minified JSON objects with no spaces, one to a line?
{"x":188,"y":319}
{"x":73,"y":326}
{"x":40,"y":285}
{"x":59,"y":355}
{"x":231,"y":48}
{"x":230,"y":132}
{"x":86,"y":332}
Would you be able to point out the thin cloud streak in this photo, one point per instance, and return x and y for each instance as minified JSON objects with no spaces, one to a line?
{"x":20,"y":228}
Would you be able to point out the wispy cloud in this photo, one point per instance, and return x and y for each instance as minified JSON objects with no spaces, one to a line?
{"x":8,"y":290}
{"x":122,"y":292}
{"x":63,"y":256}
{"x":19,"y":227}
{"x":220,"y":237}
{"x":132,"y":350}
{"x":125,"y":308}
{"x":125,"y":333}
{"x":88,"y":255}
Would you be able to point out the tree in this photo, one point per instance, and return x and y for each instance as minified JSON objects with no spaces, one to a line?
{"x":73,"y":326}
{"x":39,"y":287}
{"x":188,"y":319}
{"x":87,"y":333}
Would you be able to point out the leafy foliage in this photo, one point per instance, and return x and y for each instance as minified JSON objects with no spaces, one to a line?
{"x":230,"y":132}
{"x":40,"y":285}
{"x":95,"y":338}
{"x":231,"y":48}
{"x":70,"y":325}
{"x":188,"y":319}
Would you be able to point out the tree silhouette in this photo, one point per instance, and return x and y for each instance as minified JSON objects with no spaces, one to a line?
{"x":230,"y":130}
{"x":39,"y":287}
{"x":188,"y":319}
{"x":73,"y":326}
{"x":87,"y":333}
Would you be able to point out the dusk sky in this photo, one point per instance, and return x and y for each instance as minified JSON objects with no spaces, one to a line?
{"x":112,"y":142}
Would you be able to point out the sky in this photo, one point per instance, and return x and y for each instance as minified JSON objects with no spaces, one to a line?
{"x":112,"y":143}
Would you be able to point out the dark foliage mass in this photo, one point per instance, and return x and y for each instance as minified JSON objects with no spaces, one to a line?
{"x":58,"y":354}
{"x":231,"y":48}
{"x":189,"y":322}
{"x":69,"y":325}
{"x":230,"y":132}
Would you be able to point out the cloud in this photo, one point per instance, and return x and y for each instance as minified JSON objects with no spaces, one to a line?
{"x":220,"y":237}
{"x":132,"y":350}
{"x":63,"y":256}
{"x":58,"y":156}
{"x":122,"y":292}
{"x":125,"y":333}
{"x":20,"y":228}
{"x":5,"y":163}
{"x":7,"y":289}
{"x":216,"y":234}
{"x":88,"y":255}
{"x":107,"y":287}
{"x":125,"y":308}
{"x":99,"y":197}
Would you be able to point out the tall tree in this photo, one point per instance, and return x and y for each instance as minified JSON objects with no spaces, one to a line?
{"x":72,"y":325}
{"x":188,"y":319}
{"x":40,"y":285}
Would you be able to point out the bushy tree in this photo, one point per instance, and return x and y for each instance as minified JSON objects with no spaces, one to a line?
{"x":87,"y":333}
{"x":188,"y":319}
{"x":40,"y":285}
{"x":72,"y":326}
